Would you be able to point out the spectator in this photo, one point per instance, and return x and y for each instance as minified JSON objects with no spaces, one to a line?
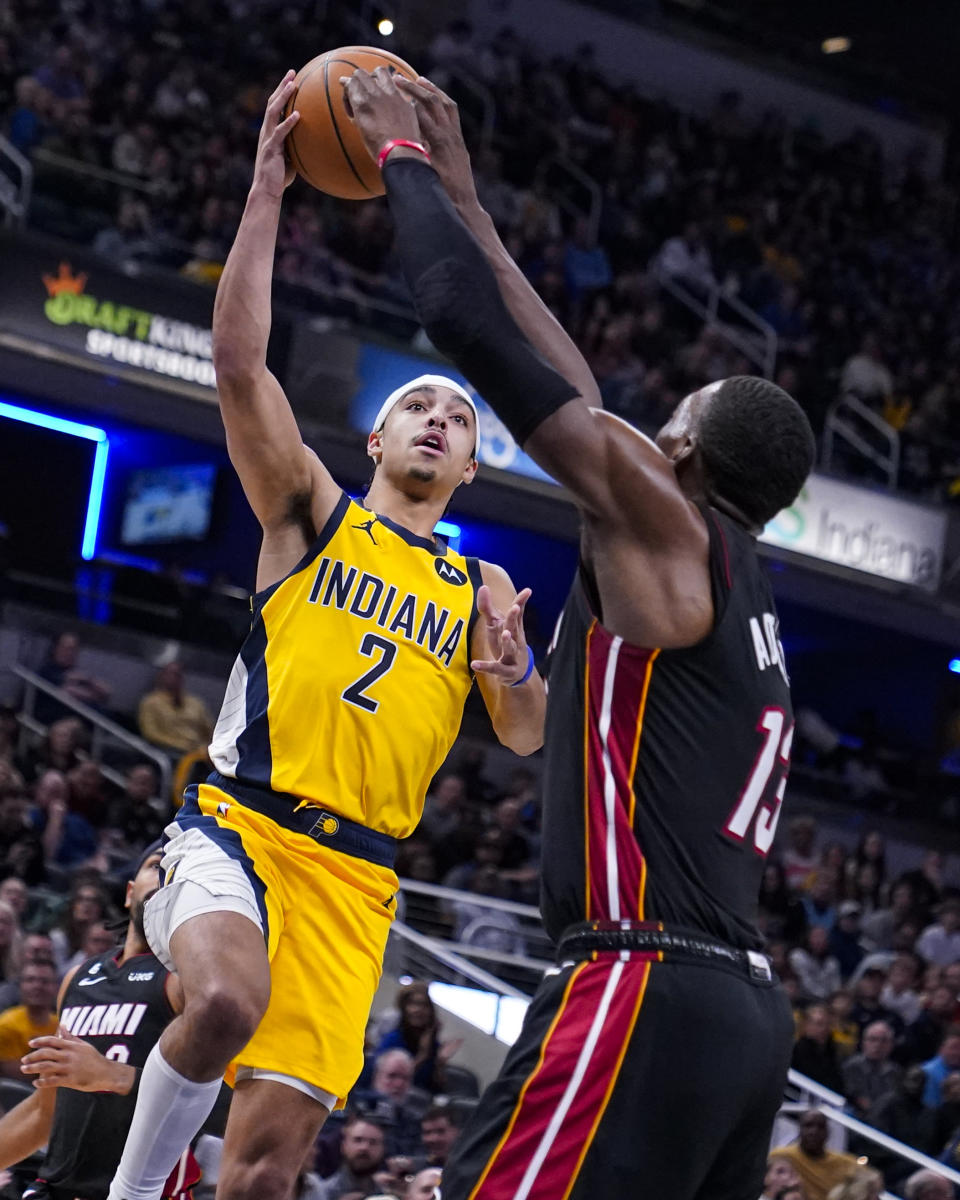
{"x":846,"y":1032}
{"x":87,"y":796}
{"x":59,"y":750}
{"x":800,"y":859}
{"x":423,"y":1186}
{"x":171,"y":717}
{"x":940,"y":943}
{"x":867,"y":1006}
{"x":947,"y":1114}
{"x":438,"y":1131}
{"x":844,"y":940}
{"x":879,"y":925}
{"x":904,"y":1116}
{"x":780,"y":1174}
{"x":362,"y":1152}
{"x":97,"y":939}
{"x":488,"y":851}
{"x":137,"y":813}
{"x":14,"y":892}
{"x":85,"y":906}
{"x":937,"y":1069}
{"x":898,"y":994}
{"x":819,"y":1169}
{"x":781,"y":913}
{"x":870,"y":1078}
{"x":687,"y":259}
{"x":585,"y":264}
{"x":68,"y":838}
{"x":866,"y":375}
{"x":36,"y":949}
{"x":34,"y":1017}
{"x":11,"y":943}
{"x":60,"y":669}
{"x":819,"y":901}
{"x":927,"y":1032}
{"x":815,"y":1052}
{"x":418,"y":1032}
{"x":385,"y":1101}
{"x":816,"y":968}
{"x":927,"y":880}
{"x":928,"y":1185}
{"x":863,"y":1184}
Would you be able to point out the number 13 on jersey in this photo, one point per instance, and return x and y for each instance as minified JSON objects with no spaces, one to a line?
{"x":756,"y":805}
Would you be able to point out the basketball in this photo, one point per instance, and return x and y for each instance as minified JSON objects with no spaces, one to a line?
{"x":325,"y":146}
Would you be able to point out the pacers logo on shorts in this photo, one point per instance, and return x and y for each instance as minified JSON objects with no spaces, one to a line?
{"x":327,"y":825}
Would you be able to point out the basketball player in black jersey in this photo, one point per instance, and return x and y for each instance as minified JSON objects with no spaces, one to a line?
{"x":652,"y":1059}
{"x":113,"y":1008}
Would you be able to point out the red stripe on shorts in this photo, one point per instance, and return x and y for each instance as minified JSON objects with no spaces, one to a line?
{"x":563,"y":1101}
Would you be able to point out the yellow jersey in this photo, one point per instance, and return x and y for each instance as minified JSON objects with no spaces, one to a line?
{"x":349,"y":689}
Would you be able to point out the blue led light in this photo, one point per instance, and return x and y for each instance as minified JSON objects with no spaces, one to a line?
{"x":954,"y":665}
{"x":447,"y":529}
{"x":30,"y":416}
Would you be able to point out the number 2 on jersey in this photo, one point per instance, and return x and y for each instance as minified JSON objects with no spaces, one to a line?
{"x":355,"y":693}
{"x":774,"y":751}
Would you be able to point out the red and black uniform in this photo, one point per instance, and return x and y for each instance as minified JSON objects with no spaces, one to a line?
{"x":121,"y":1009}
{"x":652,"y":1061}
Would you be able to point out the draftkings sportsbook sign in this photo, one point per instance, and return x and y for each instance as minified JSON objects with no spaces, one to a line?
{"x":99,"y":316}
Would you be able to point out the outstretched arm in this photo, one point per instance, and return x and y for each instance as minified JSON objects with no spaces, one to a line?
{"x":286,"y":485}
{"x":439,"y":121}
{"x":617,"y":476}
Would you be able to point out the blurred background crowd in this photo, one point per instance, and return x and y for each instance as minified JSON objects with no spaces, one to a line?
{"x":849,"y":258}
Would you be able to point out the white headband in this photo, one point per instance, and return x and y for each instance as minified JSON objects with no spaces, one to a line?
{"x":425,"y":381}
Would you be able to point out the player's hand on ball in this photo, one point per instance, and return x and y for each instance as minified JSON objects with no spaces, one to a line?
{"x":272,"y":172}
{"x":506,"y":642}
{"x":439,"y":120}
{"x":379,"y":109}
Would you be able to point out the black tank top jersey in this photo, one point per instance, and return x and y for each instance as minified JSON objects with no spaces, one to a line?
{"x":121,"y":1010}
{"x":665,"y":769}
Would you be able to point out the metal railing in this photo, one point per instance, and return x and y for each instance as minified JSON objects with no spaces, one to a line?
{"x":413,"y":953}
{"x":15,"y":192}
{"x":104,"y":730}
{"x":850,"y":421}
{"x":760,"y":347}
{"x":832,"y":1104}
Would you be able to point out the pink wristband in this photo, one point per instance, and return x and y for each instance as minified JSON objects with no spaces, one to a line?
{"x":394,"y":143}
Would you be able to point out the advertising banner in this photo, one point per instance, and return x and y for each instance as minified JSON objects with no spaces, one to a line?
{"x":71,"y":300}
{"x":869,"y":531}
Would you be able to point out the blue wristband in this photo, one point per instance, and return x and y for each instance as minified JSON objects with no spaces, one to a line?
{"x":529,"y":670}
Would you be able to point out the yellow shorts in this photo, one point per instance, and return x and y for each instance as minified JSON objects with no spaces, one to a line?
{"x":325,"y":916}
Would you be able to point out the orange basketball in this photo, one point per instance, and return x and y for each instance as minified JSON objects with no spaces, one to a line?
{"x":325,"y":145}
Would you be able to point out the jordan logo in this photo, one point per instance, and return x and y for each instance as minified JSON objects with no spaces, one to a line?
{"x":367,"y":527}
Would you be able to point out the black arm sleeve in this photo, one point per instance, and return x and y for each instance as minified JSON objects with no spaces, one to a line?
{"x":460,"y":306}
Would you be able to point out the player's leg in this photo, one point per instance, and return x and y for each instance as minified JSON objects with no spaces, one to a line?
{"x":210,"y":923}
{"x":270,"y":1129}
{"x":738,"y":1170}
{"x":222,"y":963}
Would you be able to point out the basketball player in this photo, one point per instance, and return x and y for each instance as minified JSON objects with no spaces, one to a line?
{"x":652,"y":1059}
{"x":112,"y":1009}
{"x":346,"y":697}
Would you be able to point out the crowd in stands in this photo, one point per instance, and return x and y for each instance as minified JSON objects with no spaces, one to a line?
{"x":850,"y":258}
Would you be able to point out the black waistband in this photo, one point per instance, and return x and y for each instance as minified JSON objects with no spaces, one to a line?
{"x":324,"y":825}
{"x":647,"y":937}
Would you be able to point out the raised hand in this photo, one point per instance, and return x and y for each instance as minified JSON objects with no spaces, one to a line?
{"x":506,"y":642}
{"x":378,"y":108}
{"x":272,"y":171}
{"x":439,"y":120}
